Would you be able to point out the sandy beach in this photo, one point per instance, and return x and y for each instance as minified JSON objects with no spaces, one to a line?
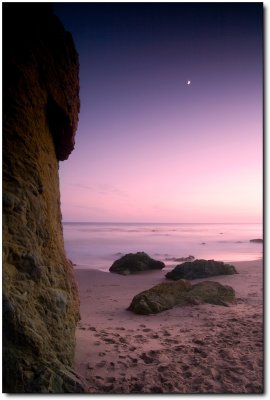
{"x":192,"y":349}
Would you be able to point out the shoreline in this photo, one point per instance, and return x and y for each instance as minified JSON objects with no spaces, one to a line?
{"x":192,"y":349}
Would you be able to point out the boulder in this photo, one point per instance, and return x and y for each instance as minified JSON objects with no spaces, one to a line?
{"x":181,"y":293}
{"x":135,"y":262}
{"x":200,"y":269}
{"x":160,"y":297}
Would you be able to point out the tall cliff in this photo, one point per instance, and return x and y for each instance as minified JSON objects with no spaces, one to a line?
{"x":40,"y":115}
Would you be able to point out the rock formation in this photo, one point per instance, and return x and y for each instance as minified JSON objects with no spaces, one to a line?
{"x":40,"y":115}
{"x":200,"y":269}
{"x":132,"y":263}
{"x":181,"y":293}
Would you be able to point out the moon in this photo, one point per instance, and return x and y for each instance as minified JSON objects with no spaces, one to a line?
{"x":188,"y":82}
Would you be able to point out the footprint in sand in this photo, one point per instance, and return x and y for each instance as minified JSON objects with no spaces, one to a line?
{"x":170,"y":341}
{"x":166,"y":333}
{"x":98,"y":377}
{"x":179,"y":348}
{"x":198,"y":350}
{"x":109,"y":340}
{"x":198,"y":341}
{"x":140,"y":338}
{"x":162,"y":368}
{"x":101,"y":364}
{"x":110,"y":379}
{"x":122,"y":364}
{"x":148,"y":357}
{"x":122,"y":340}
{"x":92,"y":328}
{"x":187,"y":374}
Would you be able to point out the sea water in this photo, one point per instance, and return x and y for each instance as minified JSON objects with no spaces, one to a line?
{"x":97,"y":245}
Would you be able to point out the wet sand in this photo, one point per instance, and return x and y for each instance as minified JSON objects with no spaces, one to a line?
{"x":193,"y":349}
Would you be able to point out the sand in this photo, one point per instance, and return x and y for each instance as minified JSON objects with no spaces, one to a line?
{"x":193,"y":349}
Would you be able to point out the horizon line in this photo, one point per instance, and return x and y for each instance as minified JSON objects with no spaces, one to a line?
{"x":151,"y":222}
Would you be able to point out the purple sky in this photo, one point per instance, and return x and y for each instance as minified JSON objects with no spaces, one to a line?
{"x":149,"y":147}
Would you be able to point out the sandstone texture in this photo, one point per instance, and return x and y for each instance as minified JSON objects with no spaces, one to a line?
{"x":135,"y":262}
{"x":200,"y":269}
{"x":181,"y":293}
{"x":40,"y":116}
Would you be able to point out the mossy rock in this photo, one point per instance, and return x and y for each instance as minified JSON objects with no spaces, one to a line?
{"x":135,"y":262}
{"x":211,"y":292}
{"x":181,"y":293}
{"x":160,"y":297}
{"x":200,"y":269}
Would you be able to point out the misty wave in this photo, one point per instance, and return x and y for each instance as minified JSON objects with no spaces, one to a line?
{"x":97,"y":245}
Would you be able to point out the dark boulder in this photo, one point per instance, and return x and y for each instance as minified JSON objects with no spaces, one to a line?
{"x":256,"y":240}
{"x":181,"y":293}
{"x":200,"y":269}
{"x":135,"y":262}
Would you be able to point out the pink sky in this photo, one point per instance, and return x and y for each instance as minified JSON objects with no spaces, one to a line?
{"x":159,"y":174}
{"x":149,"y":147}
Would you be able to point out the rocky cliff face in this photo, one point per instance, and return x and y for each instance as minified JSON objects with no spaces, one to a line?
{"x":40,"y":115}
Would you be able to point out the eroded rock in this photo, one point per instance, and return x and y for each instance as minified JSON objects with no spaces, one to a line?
{"x":40,"y":115}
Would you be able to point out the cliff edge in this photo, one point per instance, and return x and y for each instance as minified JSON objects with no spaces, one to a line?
{"x":40,"y":116}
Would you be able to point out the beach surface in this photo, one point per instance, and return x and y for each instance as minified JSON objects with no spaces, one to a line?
{"x":193,"y":349}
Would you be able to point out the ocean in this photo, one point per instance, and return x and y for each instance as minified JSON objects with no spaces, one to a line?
{"x":97,"y":245}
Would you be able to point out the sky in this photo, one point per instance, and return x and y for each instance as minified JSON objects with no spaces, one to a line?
{"x":151,"y":147}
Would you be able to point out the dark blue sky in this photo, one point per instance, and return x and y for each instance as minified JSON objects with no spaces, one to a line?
{"x":141,"y":125}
